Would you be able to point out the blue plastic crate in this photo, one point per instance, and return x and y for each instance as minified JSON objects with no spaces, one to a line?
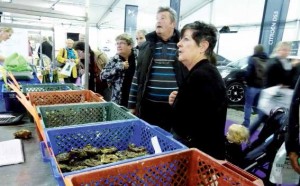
{"x":8,"y":93}
{"x":118,"y":134}
{"x":12,"y":104}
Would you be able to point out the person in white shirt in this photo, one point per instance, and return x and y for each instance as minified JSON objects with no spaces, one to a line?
{"x":5,"y":34}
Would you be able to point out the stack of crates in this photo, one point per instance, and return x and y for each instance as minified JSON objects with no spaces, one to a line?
{"x":105,"y":124}
{"x":12,"y":104}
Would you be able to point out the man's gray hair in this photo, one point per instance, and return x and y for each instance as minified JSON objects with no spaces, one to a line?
{"x":173,"y":14}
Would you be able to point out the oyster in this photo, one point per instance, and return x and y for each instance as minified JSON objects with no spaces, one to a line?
{"x":109,"y":158}
{"x":90,"y":150}
{"x":132,"y":147}
{"x":122,"y":154}
{"x":131,"y":154}
{"x":62,"y":157}
{"x":78,"y":153}
{"x":76,"y":162}
{"x":23,"y":134}
{"x":92,"y":162}
{"x":64,"y":167}
{"x":75,"y":168}
{"x":108,"y":150}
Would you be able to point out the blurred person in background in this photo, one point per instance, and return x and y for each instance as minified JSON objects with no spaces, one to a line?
{"x":254,"y":80}
{"x":279,"y":72}
{"x":45,"y":48}
{"x":203,"y":89}
{"x":140,"y":37}
{"x":69,"y":54}
{"x":119,"y":71}
{"x":5,"y":34}
{"x":98,"y":60}
{"x":158,"y":71}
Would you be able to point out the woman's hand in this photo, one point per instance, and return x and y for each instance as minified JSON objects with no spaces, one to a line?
{"x":81,"y":71}
{"x":294,"y":161}
{"x":172,"y":97}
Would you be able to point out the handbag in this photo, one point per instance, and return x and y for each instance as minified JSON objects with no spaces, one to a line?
{"x":67,"y":69}
{"x":57,"y":63}
{"x":282,"y":171}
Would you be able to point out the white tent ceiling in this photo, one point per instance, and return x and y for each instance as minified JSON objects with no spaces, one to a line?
{"x":100,"y":13}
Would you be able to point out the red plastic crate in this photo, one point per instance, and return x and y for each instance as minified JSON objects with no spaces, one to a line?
{"x":187,"y":167}
{"x":63,"y":97}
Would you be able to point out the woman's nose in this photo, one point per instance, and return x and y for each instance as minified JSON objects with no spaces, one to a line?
{"x":179,"y":44}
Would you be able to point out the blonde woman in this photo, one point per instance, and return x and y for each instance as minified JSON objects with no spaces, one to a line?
{"x":69,"y":54}
{"x":5,"y":34}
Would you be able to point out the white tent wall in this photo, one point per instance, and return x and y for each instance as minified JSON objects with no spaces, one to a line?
{"x":243,"y":16}
{"x":107,"y":39}
{"x":234,"y":46}
{"x":61,"y":36}
{"x":98,"y":38}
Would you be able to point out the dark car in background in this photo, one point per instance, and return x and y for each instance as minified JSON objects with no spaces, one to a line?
{"x":233,"y":75}
{"x":222,"y":61}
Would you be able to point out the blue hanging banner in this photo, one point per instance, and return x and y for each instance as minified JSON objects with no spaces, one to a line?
{"x":273,"y":22}
{"x":175,"y":4}
{"x":131,"y":12}
{"x":295,"y":49}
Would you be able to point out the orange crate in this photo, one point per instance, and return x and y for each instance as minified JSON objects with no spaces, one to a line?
{"x":63,"y":97}
{"x":187,"y":167}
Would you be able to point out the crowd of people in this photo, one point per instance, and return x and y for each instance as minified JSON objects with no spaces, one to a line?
{"x":170,"y":80}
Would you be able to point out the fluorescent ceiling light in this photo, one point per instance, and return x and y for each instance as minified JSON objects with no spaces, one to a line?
{"x":6,"y":1}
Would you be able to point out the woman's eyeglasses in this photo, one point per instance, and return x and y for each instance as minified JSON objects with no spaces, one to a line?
{"x":121,"y":43}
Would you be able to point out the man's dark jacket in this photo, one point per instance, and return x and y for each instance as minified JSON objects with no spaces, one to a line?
{"x":145,"y":62}
{"x":46,"y":48}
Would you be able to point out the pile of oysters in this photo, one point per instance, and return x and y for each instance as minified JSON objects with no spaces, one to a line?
{"x":90,"y":156}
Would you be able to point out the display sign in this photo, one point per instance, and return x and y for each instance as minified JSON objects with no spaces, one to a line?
{"x":295,"y":48}
{"x":175,"y":4}
{"x":273,"y":23}
{"x":131,"y":12}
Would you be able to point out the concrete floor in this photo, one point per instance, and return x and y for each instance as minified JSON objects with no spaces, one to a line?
{"x":235,"y":113}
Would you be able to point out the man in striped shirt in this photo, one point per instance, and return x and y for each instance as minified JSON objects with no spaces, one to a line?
{"x":158,"y":71}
